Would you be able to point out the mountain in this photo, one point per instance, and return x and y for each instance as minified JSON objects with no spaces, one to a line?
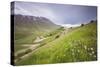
{"x":40,"y":23}
{"x":24,"y":24}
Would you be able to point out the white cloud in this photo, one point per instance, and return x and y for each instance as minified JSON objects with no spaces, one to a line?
{"x":20,"y":10}
{"x":70,"y":25}
{"x":36,"y":10}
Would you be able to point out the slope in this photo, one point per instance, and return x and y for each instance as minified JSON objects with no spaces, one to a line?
{"x":80,"y":44}
{"x":27,"y":28}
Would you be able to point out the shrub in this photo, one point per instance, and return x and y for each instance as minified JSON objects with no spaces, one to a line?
{"x":27,"y":51}
{"x":57,"y":36}
{"x":91,"y":21}
{"x":82,"y":25}
{"x":70,"y":27}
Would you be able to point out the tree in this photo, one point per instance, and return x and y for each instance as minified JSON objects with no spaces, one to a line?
{"x":91,"y":21}
{"x":82,"y":24}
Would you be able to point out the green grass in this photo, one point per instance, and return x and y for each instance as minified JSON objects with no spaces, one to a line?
{"x":26,"y":35}
{"x":54,"y":32}
{"x":18,"y":47}
{"x":26,"y":40}
{"x":78,"y":45}
{"x":21,"y":39}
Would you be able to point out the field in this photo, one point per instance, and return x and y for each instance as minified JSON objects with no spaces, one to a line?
{"x":58,"y":46}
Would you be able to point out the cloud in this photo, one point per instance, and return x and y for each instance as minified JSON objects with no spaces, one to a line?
{"x":20,"y":10}
{"x":36,"y":10}
{"x":70,"y":25}
{"x":59,"y":14}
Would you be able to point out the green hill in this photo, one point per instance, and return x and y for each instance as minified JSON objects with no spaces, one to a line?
{"x":28,"y":25}
{"x":27,"y":28}
{"x":75,"y":45}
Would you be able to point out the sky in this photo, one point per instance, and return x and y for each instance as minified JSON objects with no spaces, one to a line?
{"x":61,"y":14}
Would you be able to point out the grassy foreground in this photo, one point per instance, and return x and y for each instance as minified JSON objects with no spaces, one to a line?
{"x":75,"y":46}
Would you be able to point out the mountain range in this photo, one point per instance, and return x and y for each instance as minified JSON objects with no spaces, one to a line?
{"x":32,"y":24}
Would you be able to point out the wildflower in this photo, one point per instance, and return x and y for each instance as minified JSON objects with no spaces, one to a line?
{"x":91,"y":48}
{"x":85,"y":47}
{"x":92,"y":52}
{"x":94,"y":56}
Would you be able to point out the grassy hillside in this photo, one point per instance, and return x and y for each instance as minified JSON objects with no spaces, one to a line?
{"x":80,"y":44}
{"x":27,"y":28}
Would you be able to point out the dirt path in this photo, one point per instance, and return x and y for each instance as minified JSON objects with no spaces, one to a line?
{"x":31,"y":47}
{"x":39,"y":40}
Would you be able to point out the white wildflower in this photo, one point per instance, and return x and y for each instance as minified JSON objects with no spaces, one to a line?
{"x":92,"y":52}
{"x":94,"y":56}
{"x":85,"y":47}
{"x":91,"y":48}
